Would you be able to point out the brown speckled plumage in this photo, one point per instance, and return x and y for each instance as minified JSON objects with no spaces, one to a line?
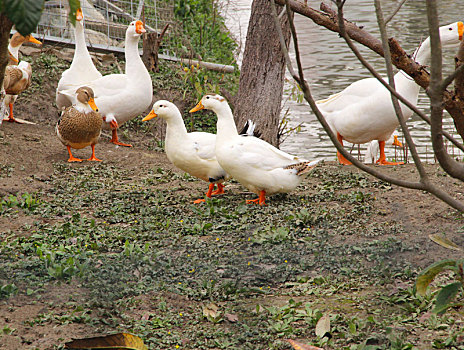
{"x":301,"y":168}
{"x":77,"y":129}
{"x":13,"y":82}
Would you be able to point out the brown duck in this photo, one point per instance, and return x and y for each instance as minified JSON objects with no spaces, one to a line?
{"x":80,"y":125}
{"x":15,"y":81}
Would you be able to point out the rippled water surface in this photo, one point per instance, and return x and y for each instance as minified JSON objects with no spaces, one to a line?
{"x":329,"y":66}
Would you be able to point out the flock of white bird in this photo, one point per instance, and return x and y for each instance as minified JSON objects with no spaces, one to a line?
{"x":361,"y":113}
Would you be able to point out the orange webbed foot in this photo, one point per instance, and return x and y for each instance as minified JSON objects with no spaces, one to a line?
{"x":74,"y":159}
{"x":199,"y":201}
{"x":120,"y":143}
{"x":93,"y":158}
{"x":220,"y":190}
{"x":385,"y":162}
{"x":342,"y":160}
{"x":261,"y":200}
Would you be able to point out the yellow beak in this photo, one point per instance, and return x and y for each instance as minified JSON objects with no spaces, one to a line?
{"x":197,"y":107}
{"x":93,"y":105}
{"x":460,"y":30}
{"x":150,"y":115}
{"x":396,"y":142}
{"x":34,"y":40}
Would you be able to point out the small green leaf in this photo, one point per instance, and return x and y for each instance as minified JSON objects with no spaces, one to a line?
{"x":25,"y":14}
{"x":427,"y":276}
{"x":445,"y":296}
{"x":73,"y":6}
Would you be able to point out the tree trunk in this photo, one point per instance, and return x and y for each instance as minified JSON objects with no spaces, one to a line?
{"x":151,"y":45}
{"x":5,"y":27}
{"x":262,"y":77}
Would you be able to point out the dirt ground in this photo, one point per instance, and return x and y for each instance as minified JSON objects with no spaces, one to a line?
{"x":29,"y":155}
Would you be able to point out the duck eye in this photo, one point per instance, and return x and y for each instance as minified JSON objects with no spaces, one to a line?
{"x":207,"y":97}
{"x":450,"y":28}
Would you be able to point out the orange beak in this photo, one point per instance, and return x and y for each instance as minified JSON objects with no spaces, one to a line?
{"x":460,"y":30}
{"x":79,"y":15}
{"x":14,"y":59}
{"x":150,"y":115}
{"x":93,"y":105}
{"x":197,"y":107}
{"x":31,"y":39}
{"x":139,"y":29}
{"x":396,"y":142}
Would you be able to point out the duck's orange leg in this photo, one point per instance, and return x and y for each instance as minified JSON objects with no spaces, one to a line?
{"x":208,"y":194}
{"x":382,"y":160}
{"x":340,"y":157}
{"x":115,"y":140}
{"x":71,"y":157}
{"x":11,"y":117}
{"x":220,"y":189}
{"x":261,"y":200}
{"x":93,"y":155}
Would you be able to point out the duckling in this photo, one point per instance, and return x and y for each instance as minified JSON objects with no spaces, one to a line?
{"x":80,"y":125}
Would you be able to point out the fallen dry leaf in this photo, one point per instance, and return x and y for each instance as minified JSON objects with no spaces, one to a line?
{"x":113,"y":341}
{"x":231,"y":317}
{"x":300,"y":346}
{"x":210,"y":310}
{"x":323,"y":326}
{"x":444,"y":242}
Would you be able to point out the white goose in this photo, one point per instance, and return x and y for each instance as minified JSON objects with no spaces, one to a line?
{"x":121,"y":97}
{"x":256,"y":164}
{"x":82,"y":70}
{"x":364,"y":111}
{"x":192,"y":152}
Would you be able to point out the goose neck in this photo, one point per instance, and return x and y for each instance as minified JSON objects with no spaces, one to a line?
{"x":134,"y":64}
{"x":175,"y":128}
{"x":225,"y":123}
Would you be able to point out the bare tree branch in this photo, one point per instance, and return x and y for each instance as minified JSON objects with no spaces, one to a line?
{"x":308,"y":97}
{"x":435,"y":93}
{"x":423,"y":185}
{"x":399,"y":57}
{"x":391,"y":79}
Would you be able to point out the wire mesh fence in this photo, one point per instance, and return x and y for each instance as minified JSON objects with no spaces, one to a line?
{"x":105,"y":21}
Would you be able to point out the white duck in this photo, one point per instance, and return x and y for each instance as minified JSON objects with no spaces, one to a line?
{"x":364,"y":111}
{"x":24,"y":72}
{"x":256,"y":164}
{"x":373,"y":148}
{"x":121,"y":97}
{"x":192,"y":152}
{"x":82,"y":70}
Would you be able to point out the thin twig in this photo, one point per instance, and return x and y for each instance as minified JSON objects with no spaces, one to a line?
{"x":395,"y":11}
{"x":391,"y":78}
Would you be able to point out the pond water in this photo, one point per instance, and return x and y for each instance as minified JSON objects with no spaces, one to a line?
{"x":330,"y":66}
